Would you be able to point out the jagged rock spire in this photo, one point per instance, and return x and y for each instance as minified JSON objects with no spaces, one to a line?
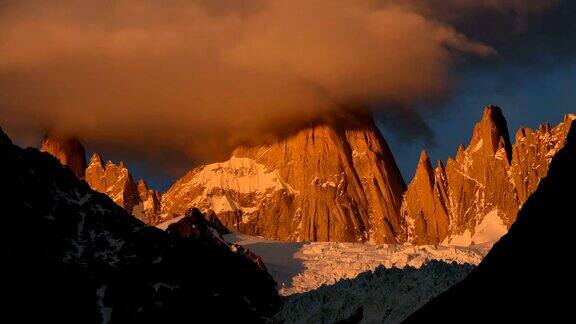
{"x":492,"y":132}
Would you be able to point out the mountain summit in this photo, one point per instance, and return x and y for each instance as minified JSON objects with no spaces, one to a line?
{"x":331,"y":181}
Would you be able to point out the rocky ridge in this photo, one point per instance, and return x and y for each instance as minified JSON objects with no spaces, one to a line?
{"x":516,"y":282}
{"x":116,"y":181}
{"x":476,"y":197}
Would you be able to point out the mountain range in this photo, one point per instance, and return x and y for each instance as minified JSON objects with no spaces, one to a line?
{"x":337,"y":180}
{"x":522,"y":279}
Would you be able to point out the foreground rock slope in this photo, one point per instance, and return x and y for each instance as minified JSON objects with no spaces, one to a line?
{"x":71,"y":255}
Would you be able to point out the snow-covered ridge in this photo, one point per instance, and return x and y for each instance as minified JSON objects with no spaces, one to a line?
{"x":236,"y":185}
{"x":243,"y":175}
{"x":301,"y":267}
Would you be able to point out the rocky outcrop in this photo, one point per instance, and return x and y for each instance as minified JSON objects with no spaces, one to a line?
{"x":67,"y":149}
{"x":117,"y":182}
{"x":475,"y":199}
{"x":71,"y":255}
{"x":195,"y":224}
{"x":332,"y":181}
{"x":516,"y":282}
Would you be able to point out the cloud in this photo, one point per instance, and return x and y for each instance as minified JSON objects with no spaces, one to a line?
{"x":193,"y":78}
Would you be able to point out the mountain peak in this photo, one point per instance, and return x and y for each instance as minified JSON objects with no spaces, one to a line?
{"x":440,"y":165}
{"x":287,"y":189}
{"x":96,"y":159}
{"x":488,"y":133}
{"x":68,"y":150}
{"x":424,"y":167}
{"x":424,"y":158}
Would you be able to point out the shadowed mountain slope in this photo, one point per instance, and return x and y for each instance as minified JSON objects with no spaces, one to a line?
{"x":71,"y":255}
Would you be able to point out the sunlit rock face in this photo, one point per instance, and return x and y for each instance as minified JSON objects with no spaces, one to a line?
{"x":335,"y":181}
{"x":117,"y":182}
{"x":512,"y":271}
{"x":68,"y":150}
{"x":338,"y":181}
{"x":476,"y":197}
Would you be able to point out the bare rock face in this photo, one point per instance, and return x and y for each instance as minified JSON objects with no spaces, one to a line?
{"x":532,"y":153}
{"x":478,"y":184}
{"x":333,"y":181}
{"x":475,"y":199}
{"x":117,"y":182}
{"x":424,"y":206}
{"x":68,"y":150}
{"x":509,"y":283}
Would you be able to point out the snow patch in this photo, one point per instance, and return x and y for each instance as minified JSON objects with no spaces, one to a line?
{"x":105,"y":312}
{"x":490,"y":229}
{"x":243,"y":175}
{"x":464,"y":239}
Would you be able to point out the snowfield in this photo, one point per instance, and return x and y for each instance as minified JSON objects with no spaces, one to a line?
{"x":327,"y":282}
{"x":301,"y":267}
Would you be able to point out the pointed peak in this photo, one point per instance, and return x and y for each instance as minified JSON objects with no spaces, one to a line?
{"x":122,"y":165}
{"x":492,"y":110}
{"x":521,"y":133}
{"x":493,"y":116}
{"x":142,"y":185}
{"x":96,"y":159}
{"x":491,"y":128}
{"x":424,"y":164}
{"x":440,"y":165}
{"x":569,"y":117}
{"x":460,"y":152}
{"x":424,"y":157}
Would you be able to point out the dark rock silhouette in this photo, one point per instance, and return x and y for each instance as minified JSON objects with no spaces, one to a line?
{"x":526,"y":276}
{"x":71,"y":255}
{"x":195,"y":225}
